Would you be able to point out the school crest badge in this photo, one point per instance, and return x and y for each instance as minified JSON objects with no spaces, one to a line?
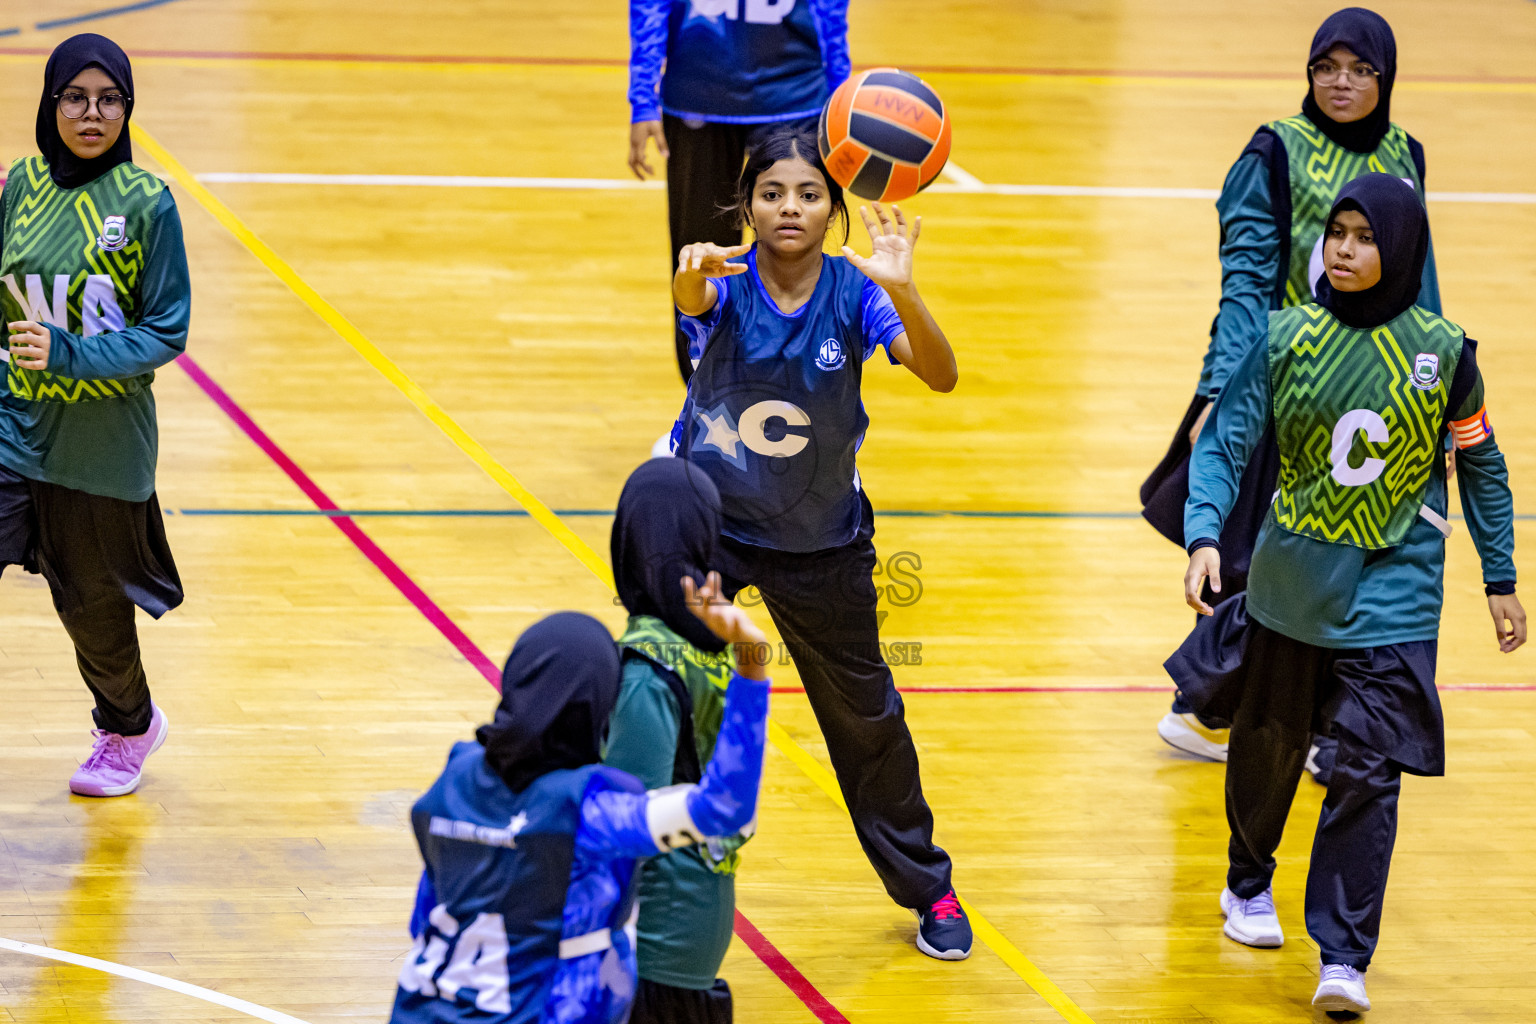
{"x":1426,"y":371}
{"x":830,"y":355}
{"x":114,"y":233}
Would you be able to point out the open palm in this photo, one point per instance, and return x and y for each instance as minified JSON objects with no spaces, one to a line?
{"x":890,"y":265}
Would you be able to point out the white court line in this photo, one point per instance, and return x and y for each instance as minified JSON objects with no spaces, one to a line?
{"x":134,"y":974}
{"x":961,"y":182}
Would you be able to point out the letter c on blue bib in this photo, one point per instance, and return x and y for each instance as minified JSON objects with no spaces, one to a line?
{"x":755,"y":417}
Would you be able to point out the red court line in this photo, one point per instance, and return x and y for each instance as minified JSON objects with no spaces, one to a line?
{"x":775,"y":961}
{"x":518,"y":60}
{"x":797,"y":982}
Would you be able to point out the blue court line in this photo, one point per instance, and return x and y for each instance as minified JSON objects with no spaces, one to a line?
{"x":517,"y":513}
{"x":9,"y":31}
{"x":106,"y":12}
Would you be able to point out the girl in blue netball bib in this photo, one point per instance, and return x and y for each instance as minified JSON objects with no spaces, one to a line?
{"x":779,"y":335}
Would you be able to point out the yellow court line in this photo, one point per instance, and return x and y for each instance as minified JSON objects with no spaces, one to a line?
{"x":824,"y":780}
{"x":378,"y":360}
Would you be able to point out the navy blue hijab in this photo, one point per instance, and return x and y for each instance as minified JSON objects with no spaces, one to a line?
{"x":1368,"y":35}
{"x":69,"y":58}
{"x":667,"y":526}
{"x":1401,"y":232}
{"x":558,"y":688}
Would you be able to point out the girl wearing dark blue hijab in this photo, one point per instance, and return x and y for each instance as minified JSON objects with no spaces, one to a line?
{"x":1273,"y":209}
{"x":96,"y":299}
{"x":1359,"y":391}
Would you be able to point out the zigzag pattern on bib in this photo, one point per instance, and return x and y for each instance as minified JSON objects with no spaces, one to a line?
{"x":1322,"y":370}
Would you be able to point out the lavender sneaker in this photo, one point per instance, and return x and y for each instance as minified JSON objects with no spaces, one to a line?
{"x":117,"y":762}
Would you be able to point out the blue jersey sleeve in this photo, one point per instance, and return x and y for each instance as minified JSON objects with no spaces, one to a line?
{"x":698,"y":328}
{"x":647,"y":53}
{"x":831,"y":18}
{"x":882,"y":324}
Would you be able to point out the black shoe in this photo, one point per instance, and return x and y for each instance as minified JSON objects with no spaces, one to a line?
{"x":943,"y":932}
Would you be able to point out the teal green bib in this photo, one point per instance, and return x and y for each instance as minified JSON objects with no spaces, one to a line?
{"x":73,"y":258}
{"x":1358,"y":418}
{"x":706,"y":676}
{"x":1319,"y":170}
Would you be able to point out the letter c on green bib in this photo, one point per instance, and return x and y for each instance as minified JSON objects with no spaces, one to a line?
{"x":1350,"y":424}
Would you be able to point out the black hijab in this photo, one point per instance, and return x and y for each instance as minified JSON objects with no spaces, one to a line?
{"x":1401,"y":231}
{"x":1370,"y":37}
{"x":558,"y":688}
{"x":69,"y":58}
{"x":666,"y":527}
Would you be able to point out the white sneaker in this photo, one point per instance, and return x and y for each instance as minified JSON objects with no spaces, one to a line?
{"x":1252,"y":922}
{"x":1342,"y":989}
{"x":1185,"y":733}
{"x":662,"y":449}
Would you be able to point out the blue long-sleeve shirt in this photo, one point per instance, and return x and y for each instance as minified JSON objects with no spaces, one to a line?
{"x":735,"y":61}
{"x":1337,"y":595}
{"x":1252,"y":242}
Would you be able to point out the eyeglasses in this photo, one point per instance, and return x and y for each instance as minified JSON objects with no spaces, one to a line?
{"x":1326,"y":72}
{"x":73,"y":104}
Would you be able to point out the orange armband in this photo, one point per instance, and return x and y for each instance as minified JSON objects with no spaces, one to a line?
{"x":1473,"y":430}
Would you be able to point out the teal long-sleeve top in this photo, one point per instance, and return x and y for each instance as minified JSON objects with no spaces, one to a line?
{"x":1337,"y":595}
{"x":108,"y":447}
{"x":1252,"y":252}
{"x":687,"y":910}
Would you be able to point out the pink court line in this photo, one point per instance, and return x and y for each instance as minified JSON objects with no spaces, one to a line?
{"x":775,"y":961}
{"x":1464,"y":687}
{"x":516,"y":60}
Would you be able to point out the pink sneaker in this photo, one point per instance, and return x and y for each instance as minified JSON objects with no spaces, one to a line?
{"x":117,"y":762}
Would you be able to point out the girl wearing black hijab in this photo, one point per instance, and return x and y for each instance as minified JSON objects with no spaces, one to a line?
{"x":1272,"y":209}
{"x":1360,"y":391}
{"x":525,"y":911}
{"x":96,"y":297}
{"x":667,"y":526}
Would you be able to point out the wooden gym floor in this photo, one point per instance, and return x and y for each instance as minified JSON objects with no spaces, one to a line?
{"x":438,"y":360}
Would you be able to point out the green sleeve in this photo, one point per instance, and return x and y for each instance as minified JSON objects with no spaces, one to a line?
{"x":1250,"y":264}
{"x":1238,"y":420}
{"x":642,"y":734}
{"x":165,"y":312}
{"x":1486,"y":500}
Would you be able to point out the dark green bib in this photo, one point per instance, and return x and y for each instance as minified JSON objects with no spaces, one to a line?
{"x":1358,"y":418}
{"x":73,"y":258}
{"x":1319,"y":170}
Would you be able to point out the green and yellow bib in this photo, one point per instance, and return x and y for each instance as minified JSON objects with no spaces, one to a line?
{"x":706,"y":676}
{"x":1358,"y":418}
{"x":1319,"y":170}
{"x":73,"y":258}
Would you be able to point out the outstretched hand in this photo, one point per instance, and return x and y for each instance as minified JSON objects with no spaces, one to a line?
{"x":890,"y":265}
{"x":709,"y":259}
{"x":728,"y":622}
{"x":1508,"y":620}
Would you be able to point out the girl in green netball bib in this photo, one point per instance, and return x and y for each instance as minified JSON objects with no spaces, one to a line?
{"x":95,"y":295}
{"x":1341,"y":618}
{"x":1273,"y":209}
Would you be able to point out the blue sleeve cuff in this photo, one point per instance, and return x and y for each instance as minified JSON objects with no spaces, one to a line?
{"x":1203,"y":542}
{"x":1501,"y":589}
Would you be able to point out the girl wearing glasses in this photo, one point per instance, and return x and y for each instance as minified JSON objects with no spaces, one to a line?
{"x":1273,"y":209}
{"x":95,"y":295}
